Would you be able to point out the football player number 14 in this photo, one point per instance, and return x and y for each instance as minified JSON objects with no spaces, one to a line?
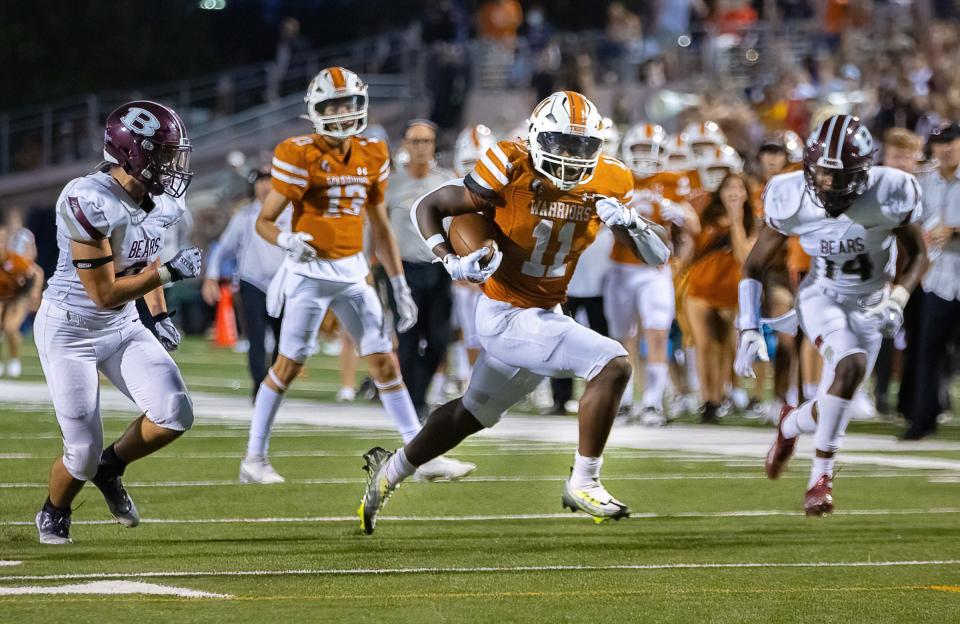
{"x":542,"y":234}
{"x":861,"y":265}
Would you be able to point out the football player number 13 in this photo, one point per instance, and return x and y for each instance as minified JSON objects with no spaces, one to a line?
{"x":542,"y":234}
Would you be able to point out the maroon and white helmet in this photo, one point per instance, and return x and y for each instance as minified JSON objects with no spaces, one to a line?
{"x":836,"y":161}
{"x":149,"y":141}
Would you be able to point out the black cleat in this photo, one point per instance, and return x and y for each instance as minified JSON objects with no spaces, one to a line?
{"x":118,"y":501}
{"x":53,"y":526}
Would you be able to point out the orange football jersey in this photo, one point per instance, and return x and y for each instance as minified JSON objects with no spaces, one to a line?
{"x":541,"y":230}
{"x":329,"y":192}
{"x":14,"y":274}
{"x":675,"y":186}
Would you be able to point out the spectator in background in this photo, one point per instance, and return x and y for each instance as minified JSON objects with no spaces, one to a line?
{"x":940,"y":305}
{"x":421,"y":348}
{"x":257,"y":262}
{"x":444,"y":36}
{"x":499,"y":20}
{"x":21,"y":282}
{"x":290,"y":45}
{"x":902,"y":150}
{"x":42,"y":223}
{"x":724,"y":241}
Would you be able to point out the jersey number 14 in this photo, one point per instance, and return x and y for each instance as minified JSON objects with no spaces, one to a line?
{"x":860,"y":265}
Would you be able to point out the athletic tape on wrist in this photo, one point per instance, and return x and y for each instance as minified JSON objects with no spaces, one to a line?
{"x":436,"y":239}
{"x":164,"y":273}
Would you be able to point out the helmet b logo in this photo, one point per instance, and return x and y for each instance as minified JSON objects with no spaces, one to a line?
{"x":141,"y":121}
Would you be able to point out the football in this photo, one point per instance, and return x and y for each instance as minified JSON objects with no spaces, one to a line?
{"x":469,"y":232}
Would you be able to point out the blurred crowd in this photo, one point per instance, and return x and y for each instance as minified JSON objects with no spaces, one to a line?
{"x":719,"y":131}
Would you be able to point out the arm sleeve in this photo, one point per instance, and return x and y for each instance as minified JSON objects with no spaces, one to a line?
{"x":289,"y":171}
{"x":84,"y":219}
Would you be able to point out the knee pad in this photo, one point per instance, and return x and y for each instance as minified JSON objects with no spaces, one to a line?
{"x":177,"y":414}
{"x":81,"y":460}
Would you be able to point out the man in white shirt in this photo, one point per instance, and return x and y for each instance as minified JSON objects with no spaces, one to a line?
{"x":257,"y":262}
{"x":940,"y":308}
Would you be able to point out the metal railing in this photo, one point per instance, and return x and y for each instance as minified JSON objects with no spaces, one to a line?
{"x":71,"y":129}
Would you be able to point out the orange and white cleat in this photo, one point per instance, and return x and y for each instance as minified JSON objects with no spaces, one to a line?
{"x":819,"y":498}
{"x":782,"y":449}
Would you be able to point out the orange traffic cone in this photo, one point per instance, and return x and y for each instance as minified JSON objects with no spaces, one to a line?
{"x":225,"y":324}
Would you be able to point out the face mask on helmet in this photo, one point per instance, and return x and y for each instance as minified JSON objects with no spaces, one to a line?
{"x":645,"y":158}
{"x":171,"y":170}
{"x":836,"y":189}
{"x":342,"y":116}
{"x":569,"y":159}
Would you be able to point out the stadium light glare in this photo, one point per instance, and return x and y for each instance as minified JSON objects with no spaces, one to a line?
{"x":213,"y":5}
{"x":683,"y":41}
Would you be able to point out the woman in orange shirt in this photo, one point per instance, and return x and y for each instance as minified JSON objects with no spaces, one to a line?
{"x":725,"y":239}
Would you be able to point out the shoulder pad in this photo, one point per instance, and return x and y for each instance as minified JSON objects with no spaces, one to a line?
{"x":783,"y":195}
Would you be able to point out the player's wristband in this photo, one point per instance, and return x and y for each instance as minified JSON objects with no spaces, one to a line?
{"x":748,"y":295}
{"x":900,"y":296}
{"x":436,"y":239}
{"x":164,"y":273}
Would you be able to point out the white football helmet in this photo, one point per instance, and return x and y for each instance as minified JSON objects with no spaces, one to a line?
{"x":611,"y":138}
{"x":566,"y":138}
{"x":643,"y":147}
{"x":677,"y":155}
{"x":717,"y":164}
{"x":472,"y":143}
{"x":337,"y":103}
{"x":702,"y":137}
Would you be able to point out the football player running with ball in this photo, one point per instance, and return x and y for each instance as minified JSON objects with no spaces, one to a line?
{"x":548,"y":196}
{"x":850,"y":217}
{"x":335,"y":179}
{"x":110,"y":230}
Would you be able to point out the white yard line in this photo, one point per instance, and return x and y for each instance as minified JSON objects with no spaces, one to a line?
{"x":760,"y":513}
{"x":730,"y":441}
{"x":9,"y":564}
{"x":730,"y":476}
{"x":485,"y":569}
{"x":110,"y":588}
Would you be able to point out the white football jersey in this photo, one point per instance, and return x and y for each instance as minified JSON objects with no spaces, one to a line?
{"x":854,"y":253}
{"x":95,"y":207}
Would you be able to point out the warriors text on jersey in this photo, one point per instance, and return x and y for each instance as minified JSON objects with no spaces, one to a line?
{"x":330,"y":192}
{"x":96,"y":207}
{"x":541,"y":231}
{"x":854,"y":253}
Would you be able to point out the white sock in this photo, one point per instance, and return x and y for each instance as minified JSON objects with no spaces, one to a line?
{"x":398,"y":405}
{"x":793,"y":396}
{"x":461,"y":361}
{"x":265,"y":408}
{"x":655,"y":384}
{"x":585,"y":470}
{"x":810,"y":390}
{"x":799,"y":421}
{"x":693,"y":379}
{"x":399,"y":468}
{"x":832,"y":419}
{"x":437,"y":382}
{"x":626,"y":400}
{"x":820,"y":466}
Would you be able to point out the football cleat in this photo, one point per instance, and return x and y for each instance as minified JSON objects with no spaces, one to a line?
{"x":378,"y":489}
{"x":14,"y":369}
{"x":119,"y":503}
{"x":53,"y":527}
{"x":257,"y":469}
{"x":595,"y":500}
{"x":782,"y":449}
{"x":652,"y":417}
{"x":443,"y":469}
{"x":819,"y":498}
{"x":346,"y":394}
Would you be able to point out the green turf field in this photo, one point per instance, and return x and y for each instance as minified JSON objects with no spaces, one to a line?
{"x":711,"y":541}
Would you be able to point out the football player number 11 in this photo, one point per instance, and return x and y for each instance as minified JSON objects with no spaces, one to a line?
{"x":534,"y":267}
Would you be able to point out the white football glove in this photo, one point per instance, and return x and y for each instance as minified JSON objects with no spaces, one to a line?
{"x":751,"y":348}
{"x":613,"y":213}
{"x":166,"y":331}
{"x":406,"y":307}
{"x":673,"y":212}
{"x":186,"y":264}
{"x":468,"y":267}
{"x":297,"y":246}
{"x":889,"y":312}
